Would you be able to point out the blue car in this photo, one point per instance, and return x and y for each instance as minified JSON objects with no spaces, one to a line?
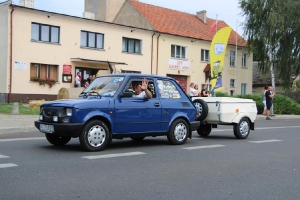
{"x":118,"y":106}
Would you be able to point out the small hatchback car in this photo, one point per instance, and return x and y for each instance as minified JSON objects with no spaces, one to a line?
{"x":118,"y":106}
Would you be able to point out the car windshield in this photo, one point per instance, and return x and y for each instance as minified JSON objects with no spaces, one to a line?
{"x":104,"y":86}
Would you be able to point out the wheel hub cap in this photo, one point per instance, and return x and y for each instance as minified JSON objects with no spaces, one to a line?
{"x":244,"y":128}
{"x":96,"y":136}
{"x":180,"y":132}
{"x":198,"y":107}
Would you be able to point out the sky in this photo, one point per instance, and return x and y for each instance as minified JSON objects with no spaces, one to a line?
{"x":226,"y":10}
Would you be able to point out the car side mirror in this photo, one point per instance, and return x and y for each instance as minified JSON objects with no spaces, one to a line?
{"x":126,"y":94}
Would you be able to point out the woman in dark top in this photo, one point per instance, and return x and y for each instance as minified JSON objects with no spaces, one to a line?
{"x":204,"y":92}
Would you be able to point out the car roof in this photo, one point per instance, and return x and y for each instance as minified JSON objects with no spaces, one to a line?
{"x":138,"y":76}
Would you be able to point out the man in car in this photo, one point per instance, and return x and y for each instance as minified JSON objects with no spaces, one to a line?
{"x":141,"y":89}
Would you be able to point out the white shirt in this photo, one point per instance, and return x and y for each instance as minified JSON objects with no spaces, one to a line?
{"x":77,"y":79}
{"x":141,"y":95}
{"x":193,"y":90}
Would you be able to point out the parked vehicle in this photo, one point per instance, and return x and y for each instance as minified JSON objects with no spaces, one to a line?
{"x":107,"y":110}
{"x":213,"y":111}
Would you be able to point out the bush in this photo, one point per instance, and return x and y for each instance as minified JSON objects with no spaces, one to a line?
{"x":282,"y":104}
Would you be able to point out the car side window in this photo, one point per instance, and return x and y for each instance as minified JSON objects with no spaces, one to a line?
{"x":151,"y":87}
{"x":167,"y":90}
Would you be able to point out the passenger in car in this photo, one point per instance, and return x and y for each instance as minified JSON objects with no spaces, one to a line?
{"x":141,"y":89}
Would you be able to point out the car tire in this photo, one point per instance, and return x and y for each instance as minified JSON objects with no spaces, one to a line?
{"x":95,"y":136}
{"x":178,"y":132}
{"x":204,"y":130}
{"x":241,"y":130}
{"x":137,"y":138}
{"x":57,"y":140}
{"x":202,"y":109}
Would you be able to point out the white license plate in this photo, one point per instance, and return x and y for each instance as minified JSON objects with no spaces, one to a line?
{"x":46,"y":128}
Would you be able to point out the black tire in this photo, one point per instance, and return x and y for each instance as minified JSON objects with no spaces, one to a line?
{"x":57,"y":140}
{"x":95,"y":136}
{"x":204,"y":130}
{"x":178,"y":132}
{"x":137,"y":138}
{"x":202,"y":109}
{"x":241,"y":130}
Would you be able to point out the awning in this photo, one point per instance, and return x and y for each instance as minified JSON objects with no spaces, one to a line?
{"x":207,"y":68}
{"x":98,"y":62}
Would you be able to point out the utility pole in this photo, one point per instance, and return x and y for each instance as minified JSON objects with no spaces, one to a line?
{"x":272,"y":78}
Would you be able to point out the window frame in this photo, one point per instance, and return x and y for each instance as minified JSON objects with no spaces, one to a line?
{"x":180,"y":52}
{"x":203,"y":52}
{"x":127,"y":40}
{"x":243,"y":88}
{"x":87,"y":40}
{"x":48,"y":71}
{"x":232,"y":86}
{"x":244,"y":60}
{"x":49,"y":33}
{"x":232,"y":59}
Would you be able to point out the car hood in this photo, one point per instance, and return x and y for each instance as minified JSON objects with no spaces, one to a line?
{"x":79,"y":103}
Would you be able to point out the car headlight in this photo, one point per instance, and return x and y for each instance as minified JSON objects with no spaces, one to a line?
{"x":69,"y":112}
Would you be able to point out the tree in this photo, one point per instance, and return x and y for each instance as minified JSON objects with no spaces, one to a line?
{"x":272,"y":30}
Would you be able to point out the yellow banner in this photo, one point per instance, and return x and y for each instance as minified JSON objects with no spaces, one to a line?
{"x":217,"y":56}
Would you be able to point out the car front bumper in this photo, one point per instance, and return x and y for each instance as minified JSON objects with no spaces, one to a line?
{"x":62,"y":129}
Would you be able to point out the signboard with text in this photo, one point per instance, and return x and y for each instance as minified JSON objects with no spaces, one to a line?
{"x":175,"y":64}
{"x":67,"y":69}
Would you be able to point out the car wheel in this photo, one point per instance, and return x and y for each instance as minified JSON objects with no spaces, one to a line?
{"x":241,"y":130}
{"x":202,"y":109}
{"x":95,"y":136}
{"x":204,"y":130}
{"x":137,"y":138}
{"x":57,"y":140}
{"x":178,"y":132}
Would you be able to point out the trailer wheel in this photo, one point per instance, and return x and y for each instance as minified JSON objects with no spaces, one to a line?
{"x":204,"y":130}
{"x":241,"y":130}
{"x":202,"y":109}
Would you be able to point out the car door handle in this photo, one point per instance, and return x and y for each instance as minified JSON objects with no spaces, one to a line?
{"x":156,"y":104}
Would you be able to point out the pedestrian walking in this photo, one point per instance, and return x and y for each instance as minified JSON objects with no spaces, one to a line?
{"x":269,"y":96}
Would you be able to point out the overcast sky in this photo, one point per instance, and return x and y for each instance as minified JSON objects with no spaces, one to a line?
{"x":227,"y":10}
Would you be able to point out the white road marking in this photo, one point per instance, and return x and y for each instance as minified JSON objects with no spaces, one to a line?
{"x":3,"y":156}
{"x":21,"y":139}
{"x":6,"y":165}
{"x":203,"y":147}
{"x":114,"y":155}
{"x":193,"y":138}
{"x":265,"y":141}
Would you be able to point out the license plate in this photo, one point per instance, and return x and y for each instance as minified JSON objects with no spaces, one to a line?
{"x":46,"y":128}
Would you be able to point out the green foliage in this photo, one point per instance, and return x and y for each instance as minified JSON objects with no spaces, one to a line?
{"x":272,"y":28}
{"x":6,"y":108}
{"x":282,"y":104}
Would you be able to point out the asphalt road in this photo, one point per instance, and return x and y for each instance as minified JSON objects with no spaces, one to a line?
{"x":264,"y":166}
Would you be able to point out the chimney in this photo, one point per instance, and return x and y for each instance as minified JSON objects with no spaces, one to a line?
{"x":88,"y":15}
{"x":27,"y":3}
{"x":202,"y":15}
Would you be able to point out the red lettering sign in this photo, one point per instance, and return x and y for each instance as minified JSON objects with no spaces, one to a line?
{"x":67,"y":69}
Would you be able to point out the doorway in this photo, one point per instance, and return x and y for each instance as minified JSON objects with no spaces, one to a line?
{"x":182,"y":80}
{"x":85,"y":73}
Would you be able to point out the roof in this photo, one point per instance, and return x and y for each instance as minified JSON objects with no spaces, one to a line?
{"x":261,"y":79}
{"x":182,"y":24}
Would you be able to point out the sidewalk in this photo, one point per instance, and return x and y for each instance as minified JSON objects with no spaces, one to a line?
{"x":25,"y":123}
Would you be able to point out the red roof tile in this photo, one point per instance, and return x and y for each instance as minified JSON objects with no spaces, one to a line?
{"x":182,"y":24}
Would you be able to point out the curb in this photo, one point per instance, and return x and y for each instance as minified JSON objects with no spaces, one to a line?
{"x":18,"y":129}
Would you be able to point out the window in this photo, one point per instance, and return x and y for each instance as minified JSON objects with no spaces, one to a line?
{"x":232,"y":83}
{"x":91,"y":40}
{"x":178,"y":51}
{"x":232,"y":92}
{"x":244,"y":88}
{"x":131,"y":45}
{"x":244,"y":60}
{"x":43,"y":71}
{"x":209,"y":88}
{"x":167,"y":90}
{"x":232,"y":58}
{"x":204,"y":55}
{"x":45,"y":33}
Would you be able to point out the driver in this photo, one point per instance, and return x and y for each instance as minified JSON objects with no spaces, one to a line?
{"x":141,"y":89}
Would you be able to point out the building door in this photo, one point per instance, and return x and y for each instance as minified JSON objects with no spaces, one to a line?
{"x":182,"y":80}
{"x":85,"y":73}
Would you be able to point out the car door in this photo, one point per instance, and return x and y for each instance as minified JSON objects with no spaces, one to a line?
{"x":173,"y":102}
{"x":137,"y":115}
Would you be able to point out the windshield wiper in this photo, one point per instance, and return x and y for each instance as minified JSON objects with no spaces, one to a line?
{"x":94,"y":92}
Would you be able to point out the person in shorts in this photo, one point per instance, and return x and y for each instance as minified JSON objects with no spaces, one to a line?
{"x":269,"y":96}
{"x":264,"y":99}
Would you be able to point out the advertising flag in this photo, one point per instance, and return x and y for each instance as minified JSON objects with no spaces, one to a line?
{"x":217,"y":56}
